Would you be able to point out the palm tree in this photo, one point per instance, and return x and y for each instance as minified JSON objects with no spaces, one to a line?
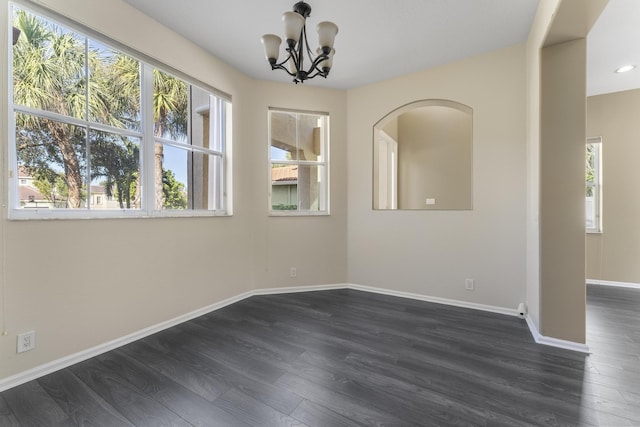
{"x":170,"y":107}
{"x":48,"y":75}
{"x":117,"y":159}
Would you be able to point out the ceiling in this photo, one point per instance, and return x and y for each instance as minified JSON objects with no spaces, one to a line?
{"x":614,"y":40}
{"x":382,"y":39}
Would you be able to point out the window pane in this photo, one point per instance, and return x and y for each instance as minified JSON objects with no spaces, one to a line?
{"x":48,"y":66}
{"x":591,"y":163}
{"x":297,"y":188}
{"x":174,"y":178}
{"x":284,"y":187}
{"x":51,"y":161}
{"x":200,"y":118}
{"x":170,"y":107}
{"x":283,"y":136}
{"x":114,"y":88}
{"x":592,"y":187}
{"x":309,"y":137}
{"x":311,"y":188}
{"x":204,"y":177}
{"x":115,"y":171}
{"x":297,"y":136}
{"x":591,"y":212}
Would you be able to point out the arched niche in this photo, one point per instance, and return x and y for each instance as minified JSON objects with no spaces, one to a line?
{"x":423,"y":157}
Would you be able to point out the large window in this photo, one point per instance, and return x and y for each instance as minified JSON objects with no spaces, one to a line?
{"x":298,"y":155}
{"x":100,"y":133}
{"x":593,"y":186}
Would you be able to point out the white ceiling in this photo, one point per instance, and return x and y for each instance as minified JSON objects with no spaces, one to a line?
{"x":381,"y":39}
{"x":614,"y":41}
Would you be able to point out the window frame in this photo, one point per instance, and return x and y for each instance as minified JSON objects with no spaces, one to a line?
{"x":325,"y":164}
{"x":597,"y":185}
{"x":145,"y":134}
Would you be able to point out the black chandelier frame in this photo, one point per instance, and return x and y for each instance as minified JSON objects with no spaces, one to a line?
{"x":296,"y":51}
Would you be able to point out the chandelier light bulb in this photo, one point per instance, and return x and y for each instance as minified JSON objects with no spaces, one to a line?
{"x":293,"y":23}
{"x":271,"y":44}
{"x":327,"y":33}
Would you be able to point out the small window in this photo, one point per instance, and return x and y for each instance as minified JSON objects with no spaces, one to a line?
{"x":593,"y":187}
{"x":298,"y":162}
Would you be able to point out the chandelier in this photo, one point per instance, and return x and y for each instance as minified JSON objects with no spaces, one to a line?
{"x":297,"y":46}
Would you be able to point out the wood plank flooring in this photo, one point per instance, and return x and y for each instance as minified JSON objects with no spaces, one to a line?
{"x":350,"y":358}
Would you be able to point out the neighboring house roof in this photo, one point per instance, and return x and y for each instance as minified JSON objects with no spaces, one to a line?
{"x":24,"y":172}
{"x":284,"y":173}
{"x":98,"y":189}
{"x":29,"y":193}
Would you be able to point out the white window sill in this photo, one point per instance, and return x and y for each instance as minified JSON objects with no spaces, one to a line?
{"x":296,"y":213}
{"x":46,"y":214}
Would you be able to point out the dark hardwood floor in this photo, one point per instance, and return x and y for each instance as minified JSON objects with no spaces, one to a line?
{"x":350,"y":358}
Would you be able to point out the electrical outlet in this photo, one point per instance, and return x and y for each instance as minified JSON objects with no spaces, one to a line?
{"x":469,"y":285}
{"x":26,"y":341}
{"x":293,"y":272}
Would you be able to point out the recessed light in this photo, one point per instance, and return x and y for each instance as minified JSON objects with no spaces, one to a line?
{"x":625,"y":68}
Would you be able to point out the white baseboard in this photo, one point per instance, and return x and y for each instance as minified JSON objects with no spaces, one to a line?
{"x":55,"y":365}
{"x":554,"y":342}
{"x":437,"y":300}
{"x":295,"y":289}
{"x":611,"y":283}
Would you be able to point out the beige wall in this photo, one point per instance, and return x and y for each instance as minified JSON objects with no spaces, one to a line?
{"x":562,"y":111}
{"x":171,"y":266}
{"x":435,"y":158}
{"x":614,"y":254}
{"x":562,"y":213}
{"x":432,"y":252}
{"x":316,"y":246}
{"x":555,"y":181}
{"x":537,"y":35}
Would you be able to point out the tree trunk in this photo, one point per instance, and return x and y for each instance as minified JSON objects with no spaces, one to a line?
{"x":137,"y":196}
{"x":72,"y":171}
{"x":158,"y":151}
{"x":159,"y":155}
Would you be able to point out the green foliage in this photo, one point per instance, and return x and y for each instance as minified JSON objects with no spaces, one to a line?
{"x":590,"y":168}
{"x":590,"y":163}
{"x":282,"y":207}
{"x":170,"y":106}
{"x":53,"y":187}
{"x":117,"y":159}
{"x":49,"y":74}
{"x":173,"y":191}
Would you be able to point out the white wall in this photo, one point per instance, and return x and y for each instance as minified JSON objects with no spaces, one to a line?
{"x":162,"y":268}
{"x":432,"y":252}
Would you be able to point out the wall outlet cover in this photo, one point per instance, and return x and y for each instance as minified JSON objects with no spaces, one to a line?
{"x":26,"y":341}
